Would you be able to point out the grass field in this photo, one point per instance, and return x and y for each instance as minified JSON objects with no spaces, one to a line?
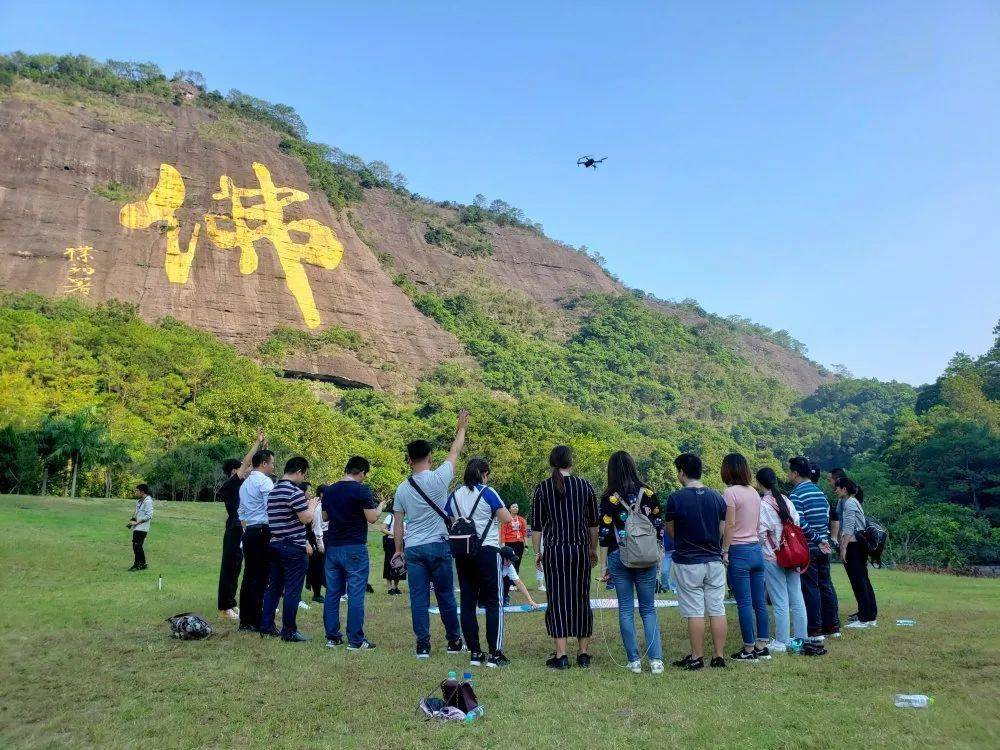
{"x":86,"y":661}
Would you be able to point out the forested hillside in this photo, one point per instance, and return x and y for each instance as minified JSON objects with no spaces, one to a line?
{"x":437,"y":306}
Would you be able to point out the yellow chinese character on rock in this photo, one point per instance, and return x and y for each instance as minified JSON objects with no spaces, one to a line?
{"x":78,"y":278}
{"x":162,"y":205}
{"x":265,"y":220}
{"x":257,"y":214}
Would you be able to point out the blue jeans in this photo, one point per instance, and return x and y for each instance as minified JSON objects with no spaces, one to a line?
{"x":426,"y":564}
{"x":665,"y":565}
{"x":287,"y":573}
{"x":746,"y":579}
{"x":785,"y":590}
{"x":346,"y":571}
{"x":632,"y":583}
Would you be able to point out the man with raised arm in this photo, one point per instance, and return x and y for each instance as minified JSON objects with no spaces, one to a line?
{"x":235,"y":472}
{"x":421,"y":501}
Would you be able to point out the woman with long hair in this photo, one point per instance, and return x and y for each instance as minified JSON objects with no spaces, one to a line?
{"x":784,"y":587}
{"x":480,"y":576}
{"x":744,"y":558}
{"x":625,"y":490}
{"x":854,"y":552}
{"x":564,"y":522}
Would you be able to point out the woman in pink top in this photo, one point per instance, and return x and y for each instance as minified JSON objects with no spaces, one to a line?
{"x":742,"y":554}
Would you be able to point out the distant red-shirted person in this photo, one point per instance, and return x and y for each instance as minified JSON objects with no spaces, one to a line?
{"x":513,"y":535}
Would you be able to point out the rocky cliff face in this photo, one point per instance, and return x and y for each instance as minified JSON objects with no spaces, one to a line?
{"x":206,"y":220}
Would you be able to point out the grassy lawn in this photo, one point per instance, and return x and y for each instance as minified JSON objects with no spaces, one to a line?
{"x":87,"y":661}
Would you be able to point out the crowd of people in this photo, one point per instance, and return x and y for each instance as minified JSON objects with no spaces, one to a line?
{"x":697,"y":542}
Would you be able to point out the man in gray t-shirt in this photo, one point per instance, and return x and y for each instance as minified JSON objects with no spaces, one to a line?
{"x":427,"y":552}
{"x":424,"y":525}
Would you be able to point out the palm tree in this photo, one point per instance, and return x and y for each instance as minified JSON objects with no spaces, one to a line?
{"x":74,"y":439}
{"x":111,"y":455}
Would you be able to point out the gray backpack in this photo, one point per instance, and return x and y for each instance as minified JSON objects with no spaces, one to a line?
{"x":640,"y":547}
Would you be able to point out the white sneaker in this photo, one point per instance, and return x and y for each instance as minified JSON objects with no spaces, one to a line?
{"x":836,"y":635}
{"x":303,"y":605}
{"x":656,"y":666}
{"x":229,"y":614}
{"x":858,"y":625}
{"x":542,"y":587}
{"x":634,"y":666}
{"x":776,"y":647}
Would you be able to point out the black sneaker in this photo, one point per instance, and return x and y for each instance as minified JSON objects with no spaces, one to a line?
{"x":246,"y":629}
{"x":477,"y":659}
{"x":296,"y":637}
{"x":455,"y":647}
{"x":394,"y":592}
{"x":762,"y":653}
{"x":812,"y":648}
{"x":557,"y":662}
{"x":683,"y":662}
{"x":369,"y":589}
{"x":742,"y":655}
{"x":583,"y":661}
{"x":272,"y":633}
{"x":718,"y":663}
{"x":695,"y":664}
{"x":498,"y":659}
{"x":423,"y":652}
{"x":134,"y":568}
{"x":318,"y":598}
{"x":334,"y":641}
{"x":853,"y":618}
{"x":365,"y":645}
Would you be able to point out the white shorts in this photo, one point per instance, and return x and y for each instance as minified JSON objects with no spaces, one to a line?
{"x":701,"y":589}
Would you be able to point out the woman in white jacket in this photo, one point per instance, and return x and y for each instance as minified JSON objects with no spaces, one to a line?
{"x":783,"y":585}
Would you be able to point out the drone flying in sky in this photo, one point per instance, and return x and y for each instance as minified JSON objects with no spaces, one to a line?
{"x":589,"y":161}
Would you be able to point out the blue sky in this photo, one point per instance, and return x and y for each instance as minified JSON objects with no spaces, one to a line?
{"x":828,"y":168}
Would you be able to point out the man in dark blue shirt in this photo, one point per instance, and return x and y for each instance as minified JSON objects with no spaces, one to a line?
{"x":349,"y":507}
{"x":695,"y":517}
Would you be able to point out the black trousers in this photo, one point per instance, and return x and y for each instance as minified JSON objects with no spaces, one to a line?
{"x":518,"y":548}
{"x":316,"y":575}
{"x":138,"y":538}
{"x":256,"y":559}
{"x":822,"y":609}
{"x":232,"y":561}
{"x":479,"y":584}
{"x":856,"y":565}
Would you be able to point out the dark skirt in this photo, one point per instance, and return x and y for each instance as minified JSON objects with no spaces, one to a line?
{"x":388,"y":550}
{"x":567,"y":588}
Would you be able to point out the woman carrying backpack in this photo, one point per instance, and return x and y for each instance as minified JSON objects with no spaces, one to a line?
{"x":783,"y":585}
{"x":742,"y":554}
{"x":626,"y":492}
{"x":854,"y":552}
{"x":480,"y":568}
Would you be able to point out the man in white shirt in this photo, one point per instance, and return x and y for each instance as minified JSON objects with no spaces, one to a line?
{"x":256,"y":536}
{"x":139,"y":524}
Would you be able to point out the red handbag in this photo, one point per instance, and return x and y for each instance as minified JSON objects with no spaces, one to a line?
{"x":793,"y":552}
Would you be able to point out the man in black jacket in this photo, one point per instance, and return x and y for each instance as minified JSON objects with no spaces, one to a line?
{"x":235,"y":472}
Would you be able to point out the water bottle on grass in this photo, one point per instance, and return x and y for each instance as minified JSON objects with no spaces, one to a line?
{"x":912,"y":701}
{"x":906,"y":623}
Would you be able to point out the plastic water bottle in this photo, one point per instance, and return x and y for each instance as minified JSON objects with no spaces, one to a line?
{"x":906,"y":623}
{"x":453,"y":675}
{"x":474,"y":714}
{"x":159,"y":583}
{"x":912,"y":701}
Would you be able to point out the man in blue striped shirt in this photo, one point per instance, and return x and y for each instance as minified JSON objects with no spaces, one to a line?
{"x":814,"y":518}
{"x":288,"y":512}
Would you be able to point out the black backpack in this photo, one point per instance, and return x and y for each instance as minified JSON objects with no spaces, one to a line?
{"x":874,"y":537}
{"x":462,"y":536}
{"x":465,"y":540}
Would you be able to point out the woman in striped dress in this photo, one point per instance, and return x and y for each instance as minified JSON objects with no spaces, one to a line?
{"x":564,"y":519}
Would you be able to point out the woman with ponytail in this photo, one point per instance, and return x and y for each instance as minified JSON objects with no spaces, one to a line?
{"x":784,"y":587}
{"x":564,"y":520}
{"x":854,"y":553}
